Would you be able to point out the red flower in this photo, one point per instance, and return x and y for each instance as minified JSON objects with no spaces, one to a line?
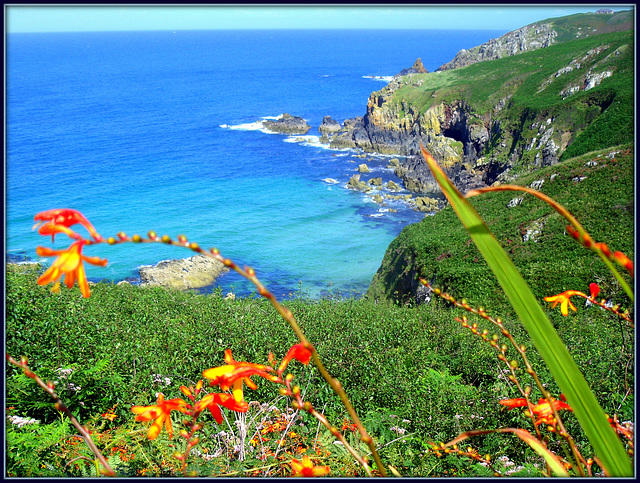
{"x":306,"y":468}
{"x":297,"y":352}
{"x":69,"y":264}
{"x":212,"y":401}
{"x":64,"y":217}
{"x":234,"y":373}
{"x":161,"y":412}
{"x":594,"y":290}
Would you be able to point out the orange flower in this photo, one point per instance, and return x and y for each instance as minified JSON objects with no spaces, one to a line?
{"x":542,"y":411}
{"x":297,"y":352}
{"x":161,"y":412}
{"x":514,"y":403}
{"x":64,"y":217}
{"x":234,"y":373}
{"x":564,"y":300}
{"x":594,"y":290}
{"x":306,"y":468}
{"x":69,"y":264}
{"x":211,"y":402}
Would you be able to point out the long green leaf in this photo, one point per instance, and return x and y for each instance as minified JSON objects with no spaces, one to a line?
{"x":592,"y":418}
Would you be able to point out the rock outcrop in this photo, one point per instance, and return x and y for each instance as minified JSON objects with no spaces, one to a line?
{"x":287,"y":124}
{"x":417,"y":68}
{"x":524,"y":39}
{"x":182,"y":274}
{"x":329,"y":126}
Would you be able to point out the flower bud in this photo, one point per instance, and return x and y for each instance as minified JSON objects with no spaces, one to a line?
{"x":136,"y":238}
{"x":166,"y":239}
{"x":111,"y":240}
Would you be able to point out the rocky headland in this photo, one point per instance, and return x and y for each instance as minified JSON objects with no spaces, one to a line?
{"x":480,"y":137}
{"x":182,"y":274}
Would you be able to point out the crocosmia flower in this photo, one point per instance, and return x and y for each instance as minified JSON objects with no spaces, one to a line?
{"x":234,"y":373}
{"x":564,"y":300}
{"x":297,"y":352}
{"x":212,"y":401}
{"x":306,"y":468}
{"x":69,"y":264}
{"x":594,"y":290}
{"x":161,"y":412}
{"x":64,"y":217}
{"x":542,"y":411}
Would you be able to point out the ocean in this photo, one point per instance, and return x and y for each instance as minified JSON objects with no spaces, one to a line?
{"x":162,"y":131}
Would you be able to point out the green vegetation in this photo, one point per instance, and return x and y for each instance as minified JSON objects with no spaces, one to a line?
{"x":413,"y":373}
{"x":439,"y":249}
{"x":396,"y":363}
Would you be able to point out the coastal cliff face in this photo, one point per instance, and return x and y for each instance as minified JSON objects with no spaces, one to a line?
{"x":524,"y":39}
{"x":483,"y":120}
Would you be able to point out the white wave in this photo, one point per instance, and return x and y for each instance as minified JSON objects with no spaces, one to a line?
{"x":383,"y":78}
{"x":249,"y":126}
{"x":303,"y":139}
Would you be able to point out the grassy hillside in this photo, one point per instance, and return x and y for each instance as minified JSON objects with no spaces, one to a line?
{"x":413,"y":367}
{"x":439,"y":249}
{"x":514,"y":96}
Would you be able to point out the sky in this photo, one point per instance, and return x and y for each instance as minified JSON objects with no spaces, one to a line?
{"x":77,"y":18}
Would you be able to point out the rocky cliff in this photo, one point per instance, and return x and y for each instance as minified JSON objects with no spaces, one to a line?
{"x":481,"y":121}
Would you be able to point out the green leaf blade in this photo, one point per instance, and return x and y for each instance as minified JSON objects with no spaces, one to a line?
{"x":553,"y":351}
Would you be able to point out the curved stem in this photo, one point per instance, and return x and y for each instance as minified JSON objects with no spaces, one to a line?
{"x":285,"y":313}
{"x":60,"y":406}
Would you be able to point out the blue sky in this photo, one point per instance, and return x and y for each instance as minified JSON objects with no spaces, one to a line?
{"x":45,"y":18}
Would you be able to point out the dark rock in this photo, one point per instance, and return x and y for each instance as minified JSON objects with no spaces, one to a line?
{"x":329,"y":126}
{"x":287,"y":124}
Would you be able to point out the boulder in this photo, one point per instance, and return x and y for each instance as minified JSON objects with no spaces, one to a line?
{"x":329,"y":126}
{"x":287,"y":124}
{"x":425,"y":204}
{"x":375,"y":181}
{"x":355,"y":183}
{"x":391,"y":186}
{"x":182,"y":274}
{"x":363,"y":168}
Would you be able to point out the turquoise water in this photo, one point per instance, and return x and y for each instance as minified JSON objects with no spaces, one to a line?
{"x":159,"y":131}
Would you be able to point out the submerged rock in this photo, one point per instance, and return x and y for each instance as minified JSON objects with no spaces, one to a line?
{"x":182,"y":274}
